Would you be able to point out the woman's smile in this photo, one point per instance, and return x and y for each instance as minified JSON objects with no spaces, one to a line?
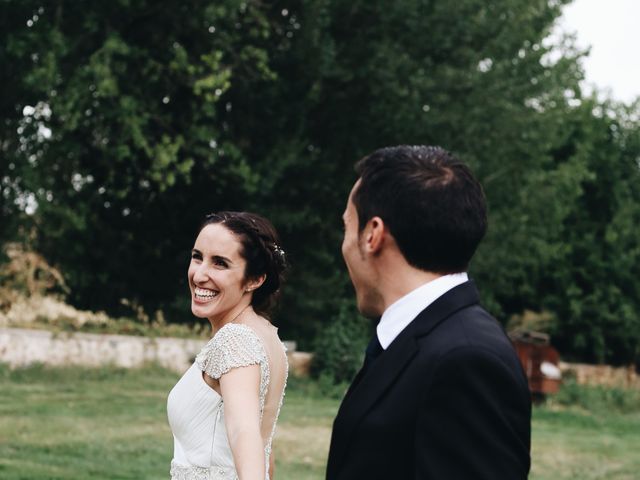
{"x":204,"y":295}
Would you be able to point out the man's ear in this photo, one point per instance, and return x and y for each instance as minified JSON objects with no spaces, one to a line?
{"x":375,"y":233}
{"x":255,"y":283}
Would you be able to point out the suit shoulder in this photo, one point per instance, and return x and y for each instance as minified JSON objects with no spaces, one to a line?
{"x":472,"y":325}
{"x":468,"y":331}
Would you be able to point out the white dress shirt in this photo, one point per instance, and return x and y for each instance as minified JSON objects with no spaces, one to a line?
{"x":403,"y":311}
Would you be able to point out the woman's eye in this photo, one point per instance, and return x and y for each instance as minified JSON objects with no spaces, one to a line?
{"x":196,"y":256}
{"x":220,"y":263}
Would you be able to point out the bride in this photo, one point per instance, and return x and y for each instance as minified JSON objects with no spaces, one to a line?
{"x":223,"y":411}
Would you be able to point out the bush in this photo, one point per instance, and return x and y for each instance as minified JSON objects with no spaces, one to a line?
{"x":339,"y":348}
{"x":25,"y":273}
{"x":52,"y":314}
{"x":597,"y":398}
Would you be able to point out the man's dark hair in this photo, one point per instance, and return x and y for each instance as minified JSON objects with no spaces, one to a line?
{"x":430,"y":201}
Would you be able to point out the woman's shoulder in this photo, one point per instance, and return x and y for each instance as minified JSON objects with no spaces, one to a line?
{"x":234,"y":345}
{"x":235,"y":330}
{"x":231,"y":333}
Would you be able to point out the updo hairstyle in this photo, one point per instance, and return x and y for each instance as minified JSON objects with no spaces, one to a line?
{"x":260,"y":247}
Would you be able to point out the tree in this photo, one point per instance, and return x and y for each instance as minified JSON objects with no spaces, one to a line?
{"x":126,"y":122}
{"x":595,"y":292}
{"x":135,"y":152}
{"x":474,"y":77}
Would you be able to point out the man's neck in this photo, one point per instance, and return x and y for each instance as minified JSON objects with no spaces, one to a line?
{"x":403,"y":311}
{"x":400,"y":280}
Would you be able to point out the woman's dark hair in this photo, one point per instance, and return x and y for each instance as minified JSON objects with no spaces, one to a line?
{"x":260,"y":247}
{"x":433,"y":205}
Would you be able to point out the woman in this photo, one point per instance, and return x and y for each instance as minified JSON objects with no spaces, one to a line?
{"x":223,"y":411}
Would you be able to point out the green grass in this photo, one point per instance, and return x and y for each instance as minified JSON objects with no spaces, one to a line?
{"x":81,"y":423}
{"x":72,"y":423}
{"x":587,"y":433}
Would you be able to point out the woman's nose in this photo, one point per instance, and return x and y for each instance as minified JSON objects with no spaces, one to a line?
{"x":200,"y":274}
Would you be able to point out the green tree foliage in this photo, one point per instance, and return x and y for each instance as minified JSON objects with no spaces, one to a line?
{"x":471,"y":76}
{"x":339,"y":347}
{"x":138,"y":153}
{"x":596,"y":295}
{"x":126,"y":121}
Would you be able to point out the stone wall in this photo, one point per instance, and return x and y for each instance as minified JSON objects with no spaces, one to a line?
{"x":21,"y":347}
{"x":604,"y":375}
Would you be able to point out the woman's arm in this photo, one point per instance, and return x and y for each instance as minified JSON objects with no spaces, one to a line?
{"x":240,"y":392}
{"x":272,"y":465}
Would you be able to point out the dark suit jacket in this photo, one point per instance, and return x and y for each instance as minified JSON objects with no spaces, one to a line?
{"x":447,"y":400}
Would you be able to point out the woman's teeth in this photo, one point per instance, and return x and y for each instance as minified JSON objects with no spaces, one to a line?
{"x":204,"y":293}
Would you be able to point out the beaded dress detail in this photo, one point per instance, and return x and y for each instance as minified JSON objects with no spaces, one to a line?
{"x":196,"y":413}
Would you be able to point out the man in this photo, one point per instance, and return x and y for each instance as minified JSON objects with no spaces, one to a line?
{"x":442,"y":394}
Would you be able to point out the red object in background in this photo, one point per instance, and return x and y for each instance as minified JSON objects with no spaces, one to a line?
{"x":539,"y":360}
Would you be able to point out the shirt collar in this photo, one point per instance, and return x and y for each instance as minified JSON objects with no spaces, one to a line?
{"x":403,"y":311}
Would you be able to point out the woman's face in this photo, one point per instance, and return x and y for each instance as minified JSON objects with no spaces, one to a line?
{"x":216,"y":274}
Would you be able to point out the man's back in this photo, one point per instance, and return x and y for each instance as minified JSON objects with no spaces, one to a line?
{"x":447,"y":400}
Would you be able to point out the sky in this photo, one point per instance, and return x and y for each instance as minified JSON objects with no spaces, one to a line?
{"x":612,"y":29}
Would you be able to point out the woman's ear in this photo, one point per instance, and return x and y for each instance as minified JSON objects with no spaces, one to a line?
{"x":255,"y":283}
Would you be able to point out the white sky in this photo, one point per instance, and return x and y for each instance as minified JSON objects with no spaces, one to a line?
{"x":612,"y":29}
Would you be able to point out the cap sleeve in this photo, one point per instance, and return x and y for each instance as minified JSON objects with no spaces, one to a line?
{"x":233,"y":346}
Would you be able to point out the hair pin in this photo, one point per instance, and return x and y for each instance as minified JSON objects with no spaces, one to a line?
{"x":278,"y":250}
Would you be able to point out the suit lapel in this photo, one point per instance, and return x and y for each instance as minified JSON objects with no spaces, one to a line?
{"x":367,"y":389}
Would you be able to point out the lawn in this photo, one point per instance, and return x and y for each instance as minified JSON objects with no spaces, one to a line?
{"x":72,"y":423}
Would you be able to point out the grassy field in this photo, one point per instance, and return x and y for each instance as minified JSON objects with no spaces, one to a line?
{"x":71,"y":423}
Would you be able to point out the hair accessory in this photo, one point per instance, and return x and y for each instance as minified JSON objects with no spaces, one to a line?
{"x":278,"y":250}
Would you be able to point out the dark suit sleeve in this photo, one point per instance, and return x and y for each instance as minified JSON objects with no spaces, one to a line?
{"x":474,"y":420}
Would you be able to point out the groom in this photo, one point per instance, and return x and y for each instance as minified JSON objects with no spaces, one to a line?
{"x":441,"y":394}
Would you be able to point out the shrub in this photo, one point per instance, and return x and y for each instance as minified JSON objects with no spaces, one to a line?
{"x":596,"y":398}
{"x":339,"y":348}
{"x":27,"y":272}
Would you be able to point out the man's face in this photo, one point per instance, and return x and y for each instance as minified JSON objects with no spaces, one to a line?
{"x":358,"y":263}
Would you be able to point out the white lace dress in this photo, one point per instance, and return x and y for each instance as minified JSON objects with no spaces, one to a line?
{"x":196,"y":413}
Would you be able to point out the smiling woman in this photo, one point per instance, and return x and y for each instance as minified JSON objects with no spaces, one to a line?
{"x":223,"y":411}
{"x":245,"y":244}
{"x":217,"y":276}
